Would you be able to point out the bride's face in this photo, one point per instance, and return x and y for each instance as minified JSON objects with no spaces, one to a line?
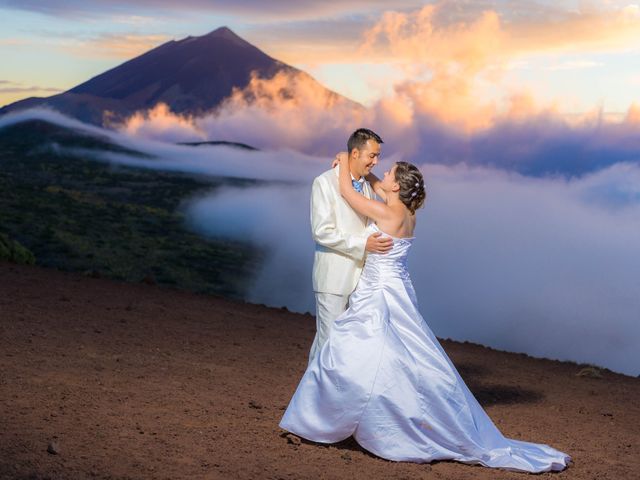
{"x":388,"y":182}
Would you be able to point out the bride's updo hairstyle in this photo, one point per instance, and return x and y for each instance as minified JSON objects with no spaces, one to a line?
{"x":412,"y":192}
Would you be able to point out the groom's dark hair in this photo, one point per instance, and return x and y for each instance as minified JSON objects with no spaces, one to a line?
{"x":360,"y":137}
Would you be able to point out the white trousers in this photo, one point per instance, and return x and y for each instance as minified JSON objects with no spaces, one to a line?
{"x":329,"y":306}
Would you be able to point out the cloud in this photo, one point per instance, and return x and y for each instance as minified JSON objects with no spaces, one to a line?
{"x":290,"y":110}
{"x":304,"y":9}
{"x":110,"y":45}
{"x":465,"y":58}
{"x":454,"y":54}
{"x":244,"y":214}
{"x":485,"y":32}
{"x":160,"y":122}
{"x":315,"y":41}
{"x":120,"y":45}
{"x":18,"y":87}
{"x":293,"y":111}
{"x":136,"y":20}
{"x":541,"y":265}
{"x":593,"y":30}
{"x":206,"y":160}
{"x":575,"y":65}
{"x":14,"y":42}
{"x":453,"y":85}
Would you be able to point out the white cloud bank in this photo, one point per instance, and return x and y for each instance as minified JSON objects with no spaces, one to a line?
{"x":546,"y":267}
{"x":549,"y":266}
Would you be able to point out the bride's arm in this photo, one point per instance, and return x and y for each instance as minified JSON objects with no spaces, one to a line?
{"x":373,"y":180}
{"x":361,"y":204}
{"x":375,"y":184}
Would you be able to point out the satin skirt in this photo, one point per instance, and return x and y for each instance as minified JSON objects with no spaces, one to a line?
{"x":383,"y":378}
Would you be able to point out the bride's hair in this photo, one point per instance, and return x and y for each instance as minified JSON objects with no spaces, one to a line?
{"x":412,"y":192}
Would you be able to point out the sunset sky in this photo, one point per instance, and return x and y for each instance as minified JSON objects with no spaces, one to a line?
{"x":576,"y":55}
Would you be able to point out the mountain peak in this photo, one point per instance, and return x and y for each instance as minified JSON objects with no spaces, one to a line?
{"x":224,"y":30}
{"x":226,"y":33}
{"x":219,"y":33}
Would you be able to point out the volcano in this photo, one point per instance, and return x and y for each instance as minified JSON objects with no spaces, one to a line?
{"x":192,"y":76}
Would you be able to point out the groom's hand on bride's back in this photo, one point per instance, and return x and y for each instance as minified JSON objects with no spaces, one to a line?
{"x":377,"y":244}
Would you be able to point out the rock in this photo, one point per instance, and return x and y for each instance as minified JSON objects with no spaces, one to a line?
{"x":53,"y":448}
{"x":254,"y":404}
{"x":590,"y":372}
{"x":293,"y":439}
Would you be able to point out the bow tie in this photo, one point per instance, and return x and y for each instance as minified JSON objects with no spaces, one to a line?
{"x":357,"y":186}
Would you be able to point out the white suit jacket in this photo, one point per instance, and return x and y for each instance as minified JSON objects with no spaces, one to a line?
{"x":340,"y":235}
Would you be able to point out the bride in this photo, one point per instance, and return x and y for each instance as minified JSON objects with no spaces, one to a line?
{"x":382,"y":376}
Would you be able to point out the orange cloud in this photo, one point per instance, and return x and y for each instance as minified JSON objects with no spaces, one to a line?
{"x":466,"y":60}
{"x":416,"y":37}
{"x":453,"y":86}
{"x":454,"y":55}
{"x":161,"y":122}
{"x":576,"y":32}
{"x":633,"y":114}
{"x":114,"y":46}
{"x":291,"y":109}
{"x":289,"y":90}
{"x":419,"y":36}
{"x":13,"y":42}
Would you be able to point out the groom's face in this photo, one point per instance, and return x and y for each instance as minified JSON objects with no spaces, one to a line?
{"x":364,"y":159}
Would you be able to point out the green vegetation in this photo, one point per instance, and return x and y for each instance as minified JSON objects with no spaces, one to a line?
{"x":120,"y":222}
{"x":14,"y":252}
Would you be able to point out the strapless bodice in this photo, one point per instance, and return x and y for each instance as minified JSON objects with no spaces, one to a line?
{"x":393,"y":263}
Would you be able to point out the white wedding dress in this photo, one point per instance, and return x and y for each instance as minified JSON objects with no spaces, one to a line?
{"x":383,"y":377}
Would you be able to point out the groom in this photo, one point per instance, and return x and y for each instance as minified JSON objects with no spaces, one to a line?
{"x":340,"y":234}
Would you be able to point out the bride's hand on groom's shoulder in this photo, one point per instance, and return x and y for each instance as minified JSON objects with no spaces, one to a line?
{"x":336,"y":160}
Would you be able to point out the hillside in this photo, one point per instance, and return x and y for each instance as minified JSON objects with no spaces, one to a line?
{"x":141,"y":382}
{"x":76,"y":213}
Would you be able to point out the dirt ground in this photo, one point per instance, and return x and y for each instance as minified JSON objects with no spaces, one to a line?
{"x":136,"y":381}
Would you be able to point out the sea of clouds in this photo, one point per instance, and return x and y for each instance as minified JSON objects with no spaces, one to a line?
{"x":542,"y":263}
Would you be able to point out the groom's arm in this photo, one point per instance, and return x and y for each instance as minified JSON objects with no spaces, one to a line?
{"x":323,"y":225}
